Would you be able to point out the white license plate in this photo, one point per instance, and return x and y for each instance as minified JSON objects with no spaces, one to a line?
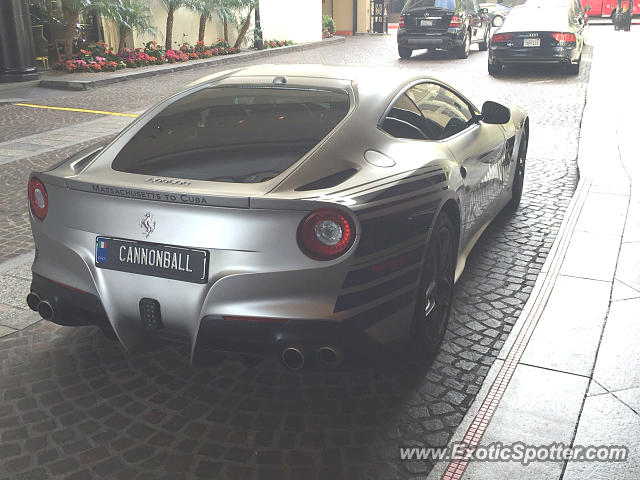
{"x":531,"y":42}
{"x":426,"y":23}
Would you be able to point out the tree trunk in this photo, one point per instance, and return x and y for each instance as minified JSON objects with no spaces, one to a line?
{"x":244,"y":29}
{"x":203,"y":26}
{"x":169,"y":32}
{"x":225,"y":27}
{"x":69,"y":33}
{"x":122,"y":42}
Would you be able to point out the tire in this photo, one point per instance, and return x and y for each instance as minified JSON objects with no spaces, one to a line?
{"x":484,"y":44}
{"x":497,"y":21}
{"x":462,"y":51}
{"x":574,"y":69}
{"x":518,"y":177}
{"x":404,"y":52}
{"x":435,"y":290}
{"x":494,"y":69}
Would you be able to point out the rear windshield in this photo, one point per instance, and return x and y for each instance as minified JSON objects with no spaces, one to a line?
{"x":233,"y":134}
{"x":448,"y":4}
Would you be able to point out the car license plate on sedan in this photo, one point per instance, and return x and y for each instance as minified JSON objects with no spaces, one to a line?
{"x":531,"y":42}
{"x":426,"y":23}
{"x":176,"y":263}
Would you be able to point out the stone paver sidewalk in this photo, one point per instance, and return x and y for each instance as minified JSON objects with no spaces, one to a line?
{"x":570,"y":371}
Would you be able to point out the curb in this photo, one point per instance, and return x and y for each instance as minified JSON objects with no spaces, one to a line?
{"x":77,"y":85}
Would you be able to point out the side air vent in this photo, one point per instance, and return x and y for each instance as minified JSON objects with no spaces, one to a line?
{"x":328,"y":181}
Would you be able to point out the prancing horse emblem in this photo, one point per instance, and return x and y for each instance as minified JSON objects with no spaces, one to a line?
{"x":148,"y":224}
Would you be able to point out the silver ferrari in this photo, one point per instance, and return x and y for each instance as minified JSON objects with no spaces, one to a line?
{"x":306,"y":211}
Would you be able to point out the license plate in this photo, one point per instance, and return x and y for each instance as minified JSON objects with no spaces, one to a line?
{"x":165,"y":261}
{"x":531,"y":42}
{"x":426,"y":23}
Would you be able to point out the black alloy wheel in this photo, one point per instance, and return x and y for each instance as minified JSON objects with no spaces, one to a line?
{"x":484,"y":44}
{"x":435,"y":291}
{"x":518,"y":178}
{"x":462,"y":51}
{"x":404,"y":52}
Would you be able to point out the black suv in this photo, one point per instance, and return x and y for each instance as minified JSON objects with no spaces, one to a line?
{"x":445,"y":24}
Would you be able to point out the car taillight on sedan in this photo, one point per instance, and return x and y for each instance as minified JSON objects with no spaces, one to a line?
{"x":401,"y":22}
{"x":564,"y":38}
{"x":501,"y":38}
{"x":38,"y":199}
{"x":326,"y":234}
{"x":455,"y":22}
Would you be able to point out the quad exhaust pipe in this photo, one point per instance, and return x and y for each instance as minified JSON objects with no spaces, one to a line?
{"x":329,"y":356}
{"x":44,"y":307}
{"x":293,"y":357}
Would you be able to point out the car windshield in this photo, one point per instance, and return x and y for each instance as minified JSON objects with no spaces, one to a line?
{"x":233,"y":134}
{"x":448,"y":4}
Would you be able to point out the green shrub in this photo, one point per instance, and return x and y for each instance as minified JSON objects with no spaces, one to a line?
{"x":328,"y":24}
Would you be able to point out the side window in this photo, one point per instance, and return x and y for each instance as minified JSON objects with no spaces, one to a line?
{"x":444,"y":112}
{"x":404,"y":120}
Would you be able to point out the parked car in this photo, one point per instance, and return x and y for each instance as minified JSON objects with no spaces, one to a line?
{"x":497,"y":13}
{"x":307,"y":211}
{"x":442,"y":24}
{"x":540,"y":32}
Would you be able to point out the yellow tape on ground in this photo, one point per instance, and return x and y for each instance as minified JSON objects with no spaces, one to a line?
{"x":101,"y":112}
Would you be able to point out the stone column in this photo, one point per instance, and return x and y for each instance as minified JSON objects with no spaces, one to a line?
{"x":17,"y":59}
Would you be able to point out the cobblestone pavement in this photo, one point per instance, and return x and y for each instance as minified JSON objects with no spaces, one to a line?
{"x":74,"y":405}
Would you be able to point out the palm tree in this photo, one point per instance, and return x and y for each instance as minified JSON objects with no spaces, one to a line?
{"x":71,"y":10}
{"x":128,"y":15}
{"x":171,"y":6}
{"x":205,"y":8}
{"x":241,"y":7}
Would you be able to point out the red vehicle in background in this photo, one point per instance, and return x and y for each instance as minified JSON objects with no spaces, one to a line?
{"x":607,"y":8}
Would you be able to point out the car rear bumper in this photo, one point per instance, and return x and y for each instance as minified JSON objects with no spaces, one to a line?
{"x":445,"y":40}
{"x":74,"y":307}
{"x":553,"y":55}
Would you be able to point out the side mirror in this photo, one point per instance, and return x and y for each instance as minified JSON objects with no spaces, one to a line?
{"x":495,"y":114}
{"x":587,"y":8}
{"x":484,"y":10}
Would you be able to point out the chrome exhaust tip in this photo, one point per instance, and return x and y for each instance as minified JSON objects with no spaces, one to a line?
{"x":33,"y":300}
{"x":45,"y":309}
{"x":292,"y":357}
{"x":329,"y":356}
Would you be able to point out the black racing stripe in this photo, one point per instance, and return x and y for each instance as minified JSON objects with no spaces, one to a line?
{"x":356,"y":299}
{"x":384,"y":206}
{"x":370,"y":317}
{"x":383,"y":269}
{"x":402,"y":188}
{"x":392,"y":179}
{"x":510,"y":144}
{"x":380,"y":233}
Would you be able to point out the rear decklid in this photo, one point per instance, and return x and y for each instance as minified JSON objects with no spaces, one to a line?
{"x":220,"y":144}
{"x":534,"y":19}
{"x":425,"y":16}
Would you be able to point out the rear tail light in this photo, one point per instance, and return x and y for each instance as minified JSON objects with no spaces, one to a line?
{"x":501,"y":37}
{"x":401,"y":22}
{"x":38,"y":199}
{"x":565,"y":37}
{"x":326,"y":234}
{"x":455,"y":22}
